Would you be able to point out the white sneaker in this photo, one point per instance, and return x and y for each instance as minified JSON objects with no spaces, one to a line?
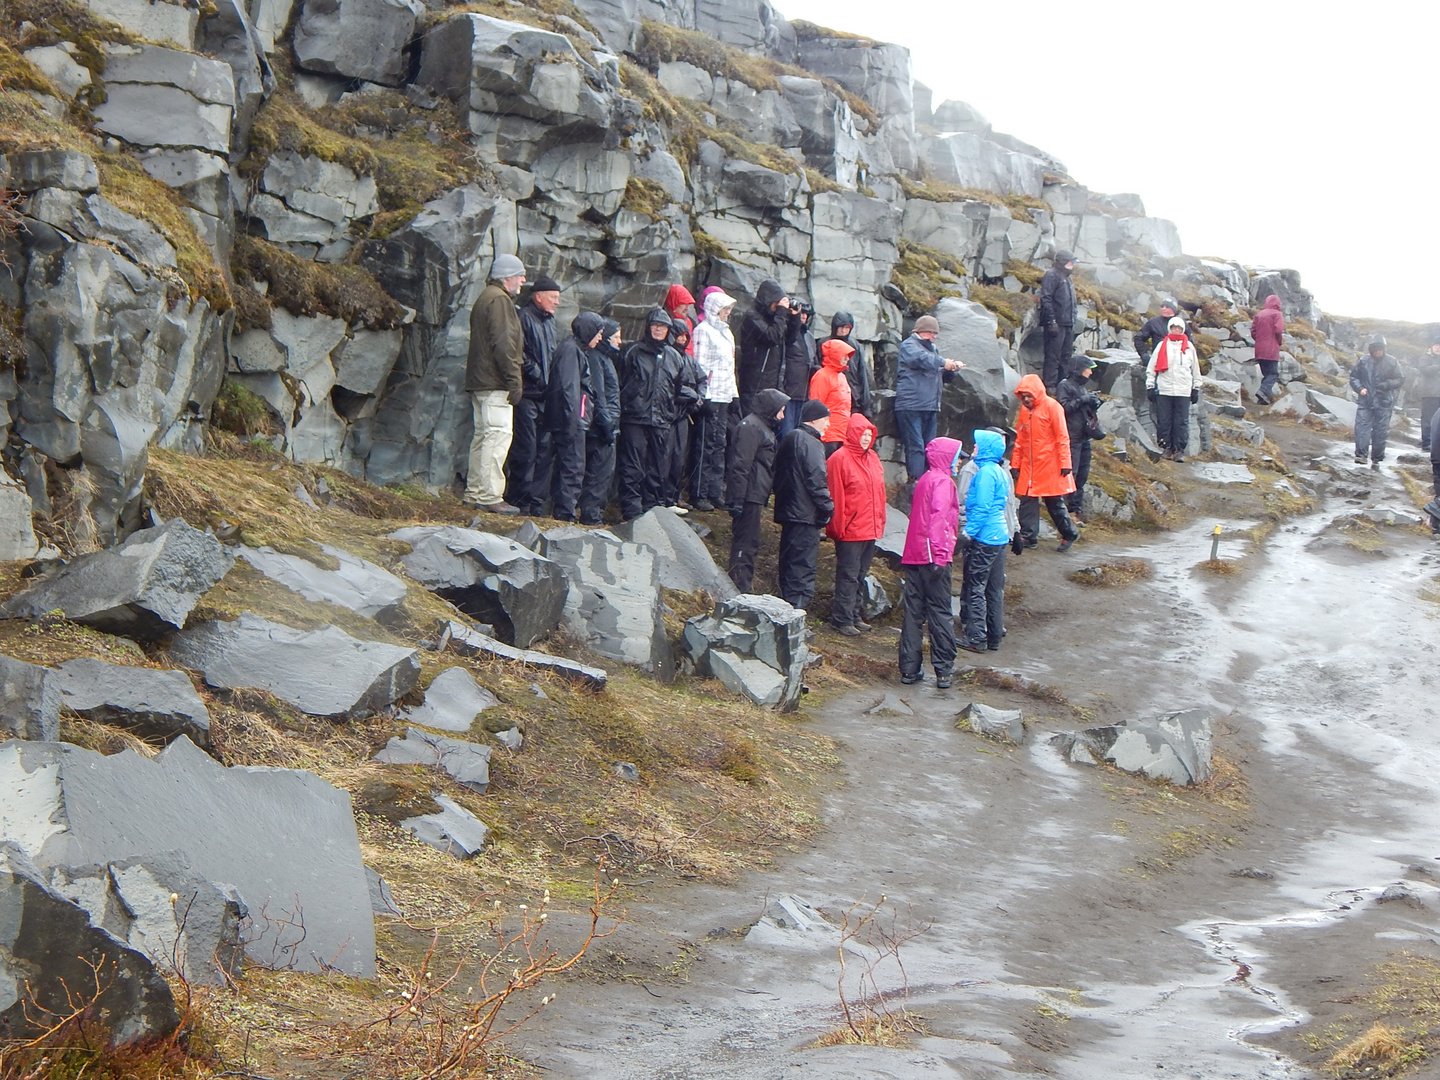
{"x":680,"y":510}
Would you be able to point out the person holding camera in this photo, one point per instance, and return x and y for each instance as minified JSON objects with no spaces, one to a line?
{"x":800,"y":363}
{"x":763,"y":334}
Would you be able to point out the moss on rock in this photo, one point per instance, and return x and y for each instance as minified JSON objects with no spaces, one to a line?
{"x":304,"y":287}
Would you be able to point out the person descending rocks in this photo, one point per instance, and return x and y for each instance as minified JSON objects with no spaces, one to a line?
{"x":802,"y":503}
{"x":1081,"y":424}
{"x":1172,"y":380}
{"x":857,"y":488}
{"x":986,"y":524}
{"x":1040,"y":464}
{"x":749,"y":479}
{"x":1268,"y":331}
{"x":830,"y":386}
{"x":1376,"y":380}
{"x":925,"y":562}
{"x":1057,"y":316}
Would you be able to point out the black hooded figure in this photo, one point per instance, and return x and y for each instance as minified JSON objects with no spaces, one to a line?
{"x":568,"y":409}
{"x":857,"y":372}
{"x":760,"y":344}
{"x":1376,"y":379}
{"x":748,"y":481}
{"x":649,"y":377}
{"x":604,"y":428}
{"x":690,"y":392}
{"x":1057,"y":317}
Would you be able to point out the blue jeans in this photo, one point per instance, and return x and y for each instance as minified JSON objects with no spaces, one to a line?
{"x":917,"y":427}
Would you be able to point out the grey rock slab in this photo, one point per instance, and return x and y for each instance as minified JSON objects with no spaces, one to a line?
{"x":60,"y":67}
{"x":455,"y":830}
{"x":151,"y":703}
{"x":452,"y":702}
{"x":755,"y":645}
{"x":891,"y":545}
{"x":69,"y":170}
{"x":322,"y":672}
{"x":197,"y":934}
{"x":362,"y":39}
{"x":511,"y":738}
{"x":1219,"y":472}
{"x":173,"y":24}
{"x":48,"y":946}
{"x":685,"y":562}
{"x":17,"y":530}
{"x":283,"y":838}
{"x":488,"y":577}
{"x":1174,"y":746}
{"x":790,"y":921}
{"x":164,"y":97}
{"x":467,"y":763}
{"x":359,"y":585}
{"x":29,"y":700}
{"x":1006,"y":724}
{"x":382,"y":900}
{"x":468,"y":641}
{"x":874,"y":603}
{"x":890,"y":705}
{"x":1338,"y":407}
{"x":614,"y":604}
{"x":143,"y":589}
{"x":980,"y":393}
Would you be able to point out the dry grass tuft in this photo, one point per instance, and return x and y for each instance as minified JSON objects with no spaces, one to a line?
{"x":1219,"y":567}
{"x":1117,"y":572}
{"x":1380,"y":1047}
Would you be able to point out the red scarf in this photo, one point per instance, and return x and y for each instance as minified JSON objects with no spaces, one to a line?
{"x":1163,"y":362}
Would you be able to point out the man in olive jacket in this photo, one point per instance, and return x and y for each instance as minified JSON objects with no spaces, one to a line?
{"x":492,"y":376}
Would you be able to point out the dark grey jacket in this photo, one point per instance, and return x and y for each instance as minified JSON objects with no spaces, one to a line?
{"x":1057,"y":298}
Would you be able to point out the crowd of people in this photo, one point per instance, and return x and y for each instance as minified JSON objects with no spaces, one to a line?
{"x":693,"y":414}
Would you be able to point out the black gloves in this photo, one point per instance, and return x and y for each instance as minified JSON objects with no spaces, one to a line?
{"x":1064,"y":472}
{"x":1053,"y":326}
{"x":1195,"y":396}
{"x":1015,"y":475}
{"x":963,"y":541}
{"x":1152,"y":394}
{"x":1017,"y":543}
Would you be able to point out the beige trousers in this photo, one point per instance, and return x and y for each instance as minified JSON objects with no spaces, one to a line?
{"x":489,"y":446}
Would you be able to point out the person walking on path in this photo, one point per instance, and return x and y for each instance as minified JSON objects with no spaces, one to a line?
{"x":749,"y":480}
{"x":842,"y":327}
{"x":1172,"y":381}
{"x":1057,"y":316}
{"x":857,"y":488}
{"x":648,"y":380}
{"x":715,"y":353}
{"x":528,"y":453}
{"x":1376,"y":380}
{"x":830,"y":387}
{"x":922,"y":372}
{"x":802,"y":503}
{"x":569,"y":410}
{"x":1081,"y":407}
{"x":763,"y":333}
{"x":493,"y":379}
{"x":1155,"y":329}
{"x":929,"y":552}
{"x":1427,"y":383}
{"x":604,"y":427}
{"x":986,"y":525}
{"x":1040,"y":464}
{"x":1267,"y":330}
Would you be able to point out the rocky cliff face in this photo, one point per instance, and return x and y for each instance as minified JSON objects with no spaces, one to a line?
{"x":302,"y":199}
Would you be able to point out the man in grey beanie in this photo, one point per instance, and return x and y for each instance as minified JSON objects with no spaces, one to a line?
{"x":492,"y":376}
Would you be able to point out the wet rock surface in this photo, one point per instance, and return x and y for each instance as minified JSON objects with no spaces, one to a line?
{"x":755,"y":645}
{"x":490,"y":578}
{"x":1006,"y":724}
{"x":468,"y":641}
{"x":144,"y":588}
{"x":1173,"y":746}
{"x":321,"y":672}
{"x":467,"y":763}
{"x":283,"y":839}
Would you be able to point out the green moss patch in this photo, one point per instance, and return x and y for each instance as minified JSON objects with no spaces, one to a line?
{"x":1009,"y":308}
{"x":647,"y":197}
{"x":926,"y":276}
{"x":305,"y":287}
{"x":939,"y":191}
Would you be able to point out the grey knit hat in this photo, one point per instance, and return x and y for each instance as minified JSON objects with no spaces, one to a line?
{"x":506,"y":266}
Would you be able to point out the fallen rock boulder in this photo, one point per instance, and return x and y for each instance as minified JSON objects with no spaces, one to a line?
{"x":890,"y":705}
{"x":321,"y":672}
{"x":1174,"y":747}
{"x":454,"y":830}
{"x":49,"y":950}
{"x":492,"y":579}
{"x":29,"y":700}
{"x":788,"y":920}
{"x":614,"y":604}
{"x":467,"y":763}
{"x":142,"y":589}
{"x":196,"y":934}
{"x":874,"y":602}
{"x":684,"y":560}
{"x":467,"y":641}
{"x":1005,"y":724}
{"x":361,"y":586}
{"x":755,"y":645}
{"x":361,"y":39}
{"x":153,"y":704}
{"x":452,"y":702}
{"x":283,"y":838}
{"x":891,"y":546}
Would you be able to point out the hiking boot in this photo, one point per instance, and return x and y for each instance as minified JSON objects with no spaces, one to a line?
{"x":1065,"y":545}
{"x":911,"y":680}
{"x":847,"y":630}
{"x":1179,"y":458}
{"x":703,"y":505}
{"x":1034,"y":541}
{"x":969,"y":647}
{"x":863,"y":627}
{"x":496,"y":508}
{"x":942,"y":682}
{"x":1360,"y":459}
{"x":993,"y":648}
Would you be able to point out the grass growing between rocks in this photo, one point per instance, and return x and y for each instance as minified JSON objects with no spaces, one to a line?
{"x":926,"y":276}
{"x":1115,"y":573}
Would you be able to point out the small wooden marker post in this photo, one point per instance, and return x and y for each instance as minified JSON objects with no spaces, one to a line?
{"x":1215,"y":544}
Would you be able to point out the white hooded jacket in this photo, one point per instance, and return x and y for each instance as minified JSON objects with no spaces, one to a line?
{"x":1182,"y":375}
{"x":715,"y":350}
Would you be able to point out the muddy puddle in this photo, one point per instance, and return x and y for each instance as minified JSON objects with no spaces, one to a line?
{"x":1041,"y":934}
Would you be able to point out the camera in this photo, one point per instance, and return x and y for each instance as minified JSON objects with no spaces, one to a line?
{"x":799,"y":307}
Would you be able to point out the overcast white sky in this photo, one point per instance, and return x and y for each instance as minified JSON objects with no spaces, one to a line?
{"x":1272,"y":132}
